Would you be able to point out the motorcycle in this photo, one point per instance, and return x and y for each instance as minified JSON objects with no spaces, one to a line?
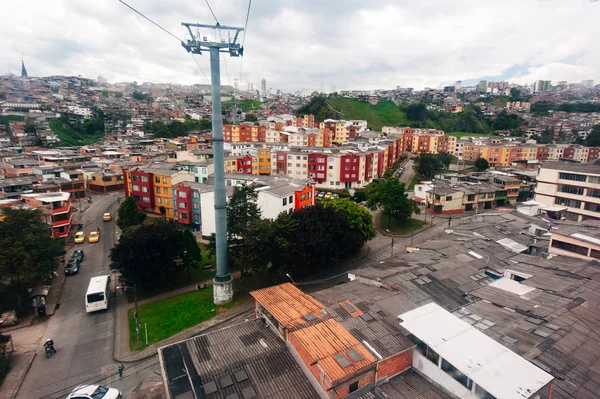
{"x":49,"y":349}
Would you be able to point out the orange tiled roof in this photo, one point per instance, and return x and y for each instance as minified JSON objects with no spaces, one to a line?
{"x":324,"y":342}
{"x":288,"y":304}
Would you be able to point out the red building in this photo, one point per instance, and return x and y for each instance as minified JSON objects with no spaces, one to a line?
{"x":593,"y":154}
{"x":140,"y":185}
{"x":183,"y":194}
{"x":304,"y":197}
{"x":56,"y":210}
{"x":381,"y":163}
{"x":350,"y":169}
{"x":282,"y":162}
{"x":317,"y":167}
{"x":244,"y":165}
{"x":368,"y":166}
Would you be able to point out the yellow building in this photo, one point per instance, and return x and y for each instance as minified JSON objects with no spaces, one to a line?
{"x":231,"y":165}
{"x":264,"y":161}
{"x":164,"y":182}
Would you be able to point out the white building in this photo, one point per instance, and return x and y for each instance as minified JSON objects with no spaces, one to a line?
{"x":574,"y":186}
{"x":468,"y":363}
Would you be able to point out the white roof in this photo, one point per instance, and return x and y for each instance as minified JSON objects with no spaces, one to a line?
{"x":49,"y":197}
{"x":512,"y":286}
{"x":490,"y":365}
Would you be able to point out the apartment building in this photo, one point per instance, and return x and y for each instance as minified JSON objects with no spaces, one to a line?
{"x":105,"y":181}
{"x":244,"y":133}
{"x":56,"y":210}
{"x":572,"y":187}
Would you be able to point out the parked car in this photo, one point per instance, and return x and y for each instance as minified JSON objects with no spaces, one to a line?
{"x":72,"y":267}
{"x":107,"y":217}
{"x":78,"y":254}
{"x":95,"y":392}
{"x":94,"y":236}
{"x":79,"y":237}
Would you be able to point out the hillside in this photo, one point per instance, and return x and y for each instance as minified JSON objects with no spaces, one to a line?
{"x":91,"y":131}
{"x":385,"y":113}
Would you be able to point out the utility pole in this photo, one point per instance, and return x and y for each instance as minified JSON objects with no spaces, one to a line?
{"x":222,"y":283}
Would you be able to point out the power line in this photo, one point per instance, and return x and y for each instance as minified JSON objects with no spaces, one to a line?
{"x":149,"y":20}
{"x":244,"y":40}
{"x":164,"y":30}
{"x":211,"y":11}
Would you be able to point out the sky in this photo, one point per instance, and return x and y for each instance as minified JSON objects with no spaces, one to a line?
{"x":307,"y":45}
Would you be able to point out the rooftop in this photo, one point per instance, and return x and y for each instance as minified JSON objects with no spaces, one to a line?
{"x":498,"y":370}
{"x":243,"y":361}
{"x":290,"y":306}
{"x":572,"y":167}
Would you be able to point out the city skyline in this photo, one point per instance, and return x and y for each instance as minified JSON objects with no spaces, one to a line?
{"x":287,"y":43}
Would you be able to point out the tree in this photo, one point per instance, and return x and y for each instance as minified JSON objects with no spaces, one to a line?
{"x":242,"y":211}
{"x":190,"y":251}
{"x":149,"y":253}
{"x":29,"y":253}
{"x":389,"y":196}
{"x":445,"y":158}
{"x":481,"y":164}
{"x":361,"y":220}
{"x":129,"y":214}
{"x":250,"y":118}
{"x":427,"y":165}
{"x":593,"y":139}
{"x":546,"y":137}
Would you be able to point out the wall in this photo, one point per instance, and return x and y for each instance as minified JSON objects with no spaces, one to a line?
{"x":311,"y":378}
{"x":272,"y":205}
{"x":575,"y":241}
{"x":393,"y":365}
{"x":440,"y":377}
{"x":207,"y":213}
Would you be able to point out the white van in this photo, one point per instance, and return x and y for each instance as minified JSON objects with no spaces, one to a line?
{"x":98,"y":293}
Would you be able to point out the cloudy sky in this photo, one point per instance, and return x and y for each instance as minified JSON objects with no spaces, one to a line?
{"x":309,"y":44}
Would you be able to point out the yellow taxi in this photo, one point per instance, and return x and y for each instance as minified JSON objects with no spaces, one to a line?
{"x":94,"y":236}
{"x":79,"y":237}
{"x":107,"y":217}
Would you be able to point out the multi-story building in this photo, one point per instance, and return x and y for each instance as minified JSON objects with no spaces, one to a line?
{"x":56,"y":210}
{"x":244,"y":133}
{"x":105,"y":181}
{"x":572,"y":187}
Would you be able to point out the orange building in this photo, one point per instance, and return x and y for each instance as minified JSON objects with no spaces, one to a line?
{"x":244,"y":133}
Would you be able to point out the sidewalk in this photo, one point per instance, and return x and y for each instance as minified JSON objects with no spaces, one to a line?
{"x":122,"y":353}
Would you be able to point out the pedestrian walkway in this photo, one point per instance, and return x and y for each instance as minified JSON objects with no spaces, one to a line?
{"x":122,"y":353}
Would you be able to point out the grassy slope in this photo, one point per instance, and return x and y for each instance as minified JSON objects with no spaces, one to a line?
{"x":69,"y":137}
{"x":167,"y":317}
{"x":385,"y":113}
{"x":7,"y":118}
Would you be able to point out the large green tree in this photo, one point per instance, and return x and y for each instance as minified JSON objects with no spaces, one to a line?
{"x":28,"y":253}
{"x":242,"y":211}
{"x":481,"y":164}
{"x":390,"y":197}
{"x":427,"y":165}
{"x":190,"y":251}
{"x":361,"y":220}
{"x":149,"y":253}
{"x":593,"y":139}
{"x":129,"y":214}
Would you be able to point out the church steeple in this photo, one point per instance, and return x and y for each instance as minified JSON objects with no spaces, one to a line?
{"x":23,"y":70}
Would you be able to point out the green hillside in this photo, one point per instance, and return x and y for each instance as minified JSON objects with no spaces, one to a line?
{"x":385,"y":113}
{"x":91,"y":131}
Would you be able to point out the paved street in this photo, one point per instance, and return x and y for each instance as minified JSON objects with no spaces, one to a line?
{"x":84,"y":341}
{"x":408,"y":173}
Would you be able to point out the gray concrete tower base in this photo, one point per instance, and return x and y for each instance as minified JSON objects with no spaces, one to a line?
{"x":223,"y":291}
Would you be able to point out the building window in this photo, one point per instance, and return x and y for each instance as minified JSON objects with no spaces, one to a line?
{"x":183,"y":215}
{"x":165,"y":190}
{"x":144,"y":189}
{"x":182,"y":194}
{"x":593,"y":193}
{"x":182,"y":204}
{"x":166,"y":201}
{"x":284,"y":201}
{"x":448,"y":198}
{"x":157,"y":179}
{"x":135,"y":187}
{"x":144,"y":179}
{"x":353,"y":387}
{"x":594,"y":179}
{"x":457,"y":374}
{"x":427,"y":351}
{"x":291,"y":199}
{"x":134,"y":178}
{"x":158,"y":200}
{"x":482,"y":393}
{"x":573,"y":190}
{"x":567,"y":202}
{"x":566,"y":246}
{"x":571,"y":176}
{"x":592,"y":207}
{"x":146,"y":199}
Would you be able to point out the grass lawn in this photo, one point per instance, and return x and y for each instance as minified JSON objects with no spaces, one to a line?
{"x":385,"y":113}
{"x":170,"y":316}
{"x":414,"y":182}
{"x":400,"y":228}
{"x":70,"y":137}
{"x":464,"y":134}
{"x":7,"y":118}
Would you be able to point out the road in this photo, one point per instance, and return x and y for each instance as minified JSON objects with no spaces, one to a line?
{"x":408,"y":173}
{"x":84,"y":341}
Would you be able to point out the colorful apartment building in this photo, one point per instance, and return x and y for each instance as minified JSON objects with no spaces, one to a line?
{"x":56,"y":210}
{"x":244,"y":133}
{"x":153,"y":189}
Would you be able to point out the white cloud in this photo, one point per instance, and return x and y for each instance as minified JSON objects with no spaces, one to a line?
{"x":303,"y":44}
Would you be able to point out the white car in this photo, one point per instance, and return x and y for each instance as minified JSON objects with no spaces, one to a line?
{"x":95,"y":392}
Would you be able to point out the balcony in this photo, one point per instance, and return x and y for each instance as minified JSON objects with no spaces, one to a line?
{"x":62,"y":209}
{"x":63,"y":222}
